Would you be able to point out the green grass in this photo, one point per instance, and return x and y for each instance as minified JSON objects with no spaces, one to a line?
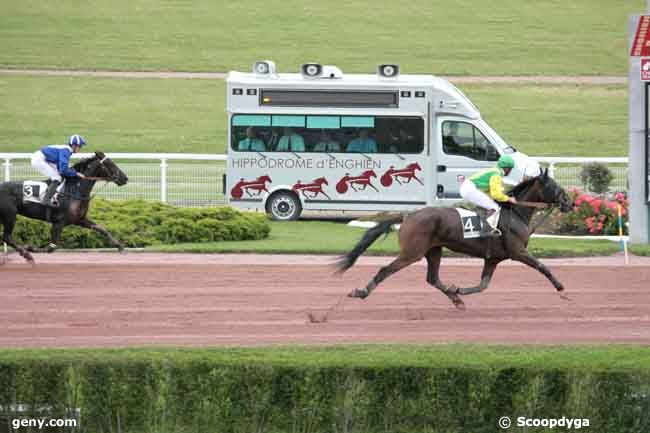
{"x":556,"y":120}
{"x":142,"y":115}
{"x":115,"y":115}
{"x":442,"y":37}
{"x":581,"y":357}
{"x":321,"y":237}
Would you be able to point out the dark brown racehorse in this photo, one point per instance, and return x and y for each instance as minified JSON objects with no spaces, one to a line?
{"x":73,"y":208}
{"x":425,"y":232}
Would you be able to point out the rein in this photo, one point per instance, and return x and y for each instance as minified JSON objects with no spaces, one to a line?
{"x":533,"y":204}
{"x":537,"y":205}
{"x":541,"y":221}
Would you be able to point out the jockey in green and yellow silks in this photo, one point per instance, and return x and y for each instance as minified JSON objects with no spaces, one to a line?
{"x":485,"y":189}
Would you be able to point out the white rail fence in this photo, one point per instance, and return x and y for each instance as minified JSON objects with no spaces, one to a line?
{"x":197,"y":179}
{"x":179,"y":179}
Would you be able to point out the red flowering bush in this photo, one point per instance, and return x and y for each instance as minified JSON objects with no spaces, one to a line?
{"x":594,"y":215}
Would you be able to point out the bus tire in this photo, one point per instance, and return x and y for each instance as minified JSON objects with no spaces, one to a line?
{"x":284,"y":206}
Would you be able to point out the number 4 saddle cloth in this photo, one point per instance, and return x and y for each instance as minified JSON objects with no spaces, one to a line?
{"x":474,"y":225}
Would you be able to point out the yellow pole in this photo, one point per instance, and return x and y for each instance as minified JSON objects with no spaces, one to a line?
{"x":620,"y":233}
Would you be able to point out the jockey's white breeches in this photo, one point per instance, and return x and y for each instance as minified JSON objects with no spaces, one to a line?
{"x":45,"y":168}
{"x":469,"y":192}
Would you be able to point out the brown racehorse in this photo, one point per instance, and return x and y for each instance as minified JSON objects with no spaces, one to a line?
{"x":425,"y":232}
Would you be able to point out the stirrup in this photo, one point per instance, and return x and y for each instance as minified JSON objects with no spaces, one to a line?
{"x":52,"y":203}
{"x":491,"y":233}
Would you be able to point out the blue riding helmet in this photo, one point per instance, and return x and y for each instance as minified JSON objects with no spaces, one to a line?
{"x":76,"y":140}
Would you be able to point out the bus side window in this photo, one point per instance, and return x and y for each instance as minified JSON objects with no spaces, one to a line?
{"x":464,"y":139}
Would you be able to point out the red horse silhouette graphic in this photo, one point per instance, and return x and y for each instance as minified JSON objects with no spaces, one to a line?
{"x":402,"y":176}
{"x":311,"y":190}
{"x":357,"y":183}
{"x":256,"y":186}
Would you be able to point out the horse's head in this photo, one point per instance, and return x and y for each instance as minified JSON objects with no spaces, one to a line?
{"x":543,"y":188}
{"x":414,"y":166}
{"x":103,"y":167}
{"x":369,"y":173}
{"x":321,"y":181}
{"x":264,"y":179}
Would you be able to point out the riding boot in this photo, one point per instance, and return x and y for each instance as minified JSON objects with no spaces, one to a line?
{"x":493,"y":221}
{"x":49,"y":194}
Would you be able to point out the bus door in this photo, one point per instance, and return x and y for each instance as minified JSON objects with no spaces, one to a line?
{"x":462,"y":150}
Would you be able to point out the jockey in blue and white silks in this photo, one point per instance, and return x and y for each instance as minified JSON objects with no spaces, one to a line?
{"x":54,"y":162}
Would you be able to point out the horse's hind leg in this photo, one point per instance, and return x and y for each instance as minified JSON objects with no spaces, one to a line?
{"x":385,"y":272}
{"x":9,"y":222}
{"x":433,"y":267}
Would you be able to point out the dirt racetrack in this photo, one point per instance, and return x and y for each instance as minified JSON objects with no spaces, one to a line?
{"x":137,"y":299}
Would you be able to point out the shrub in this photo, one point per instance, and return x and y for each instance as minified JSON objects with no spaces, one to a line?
{"x":594,"y":215}
{"x":138,"y":223}
{"x":596,"y":177}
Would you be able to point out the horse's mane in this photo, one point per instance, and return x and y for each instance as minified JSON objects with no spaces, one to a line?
{"x":83,"y":164}
{"x":522,"y":186}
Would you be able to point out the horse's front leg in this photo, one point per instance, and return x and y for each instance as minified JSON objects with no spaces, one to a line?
{"x":89,"y":224}
{"x":489,"y":266}
{"x":524,"y":257}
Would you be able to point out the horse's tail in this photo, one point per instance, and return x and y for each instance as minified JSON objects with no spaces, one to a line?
{"x":348,"y":260}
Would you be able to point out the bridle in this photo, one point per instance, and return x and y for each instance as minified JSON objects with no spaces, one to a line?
{"x":540,"y":205}
{"x":89,"y":196}
{"x":106,"y":179}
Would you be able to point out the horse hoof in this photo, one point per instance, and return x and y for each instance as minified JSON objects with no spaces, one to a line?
{"x":460,"y":305}
{"x":358,"y":293}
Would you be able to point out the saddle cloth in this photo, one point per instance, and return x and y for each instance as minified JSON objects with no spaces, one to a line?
{"x":34,"y":191}
{"x":472,"y":223}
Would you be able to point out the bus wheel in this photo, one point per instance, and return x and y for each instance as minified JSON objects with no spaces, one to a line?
{"x":284,"y":206}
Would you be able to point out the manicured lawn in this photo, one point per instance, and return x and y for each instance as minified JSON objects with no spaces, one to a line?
{"x":424,"y":36}
{"x":326,"y":237}
{"x":141,"y":115}
{"x":115,"y":115}
{"x":582,"y":357}
{"x":552,"y":120}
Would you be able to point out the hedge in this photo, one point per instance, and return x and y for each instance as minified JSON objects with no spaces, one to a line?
{"x":139,"y":223}
{"x":200,"y":395}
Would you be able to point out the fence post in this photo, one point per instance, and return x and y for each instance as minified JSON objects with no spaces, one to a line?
{"x":551,"y":170}
{"x":7,"y":165}
{"x":163,"y":180}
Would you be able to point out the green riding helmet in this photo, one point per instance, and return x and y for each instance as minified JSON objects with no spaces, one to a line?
{"x":506,"y":161}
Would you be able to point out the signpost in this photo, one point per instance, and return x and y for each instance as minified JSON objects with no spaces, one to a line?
{"x":639,"y":121}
